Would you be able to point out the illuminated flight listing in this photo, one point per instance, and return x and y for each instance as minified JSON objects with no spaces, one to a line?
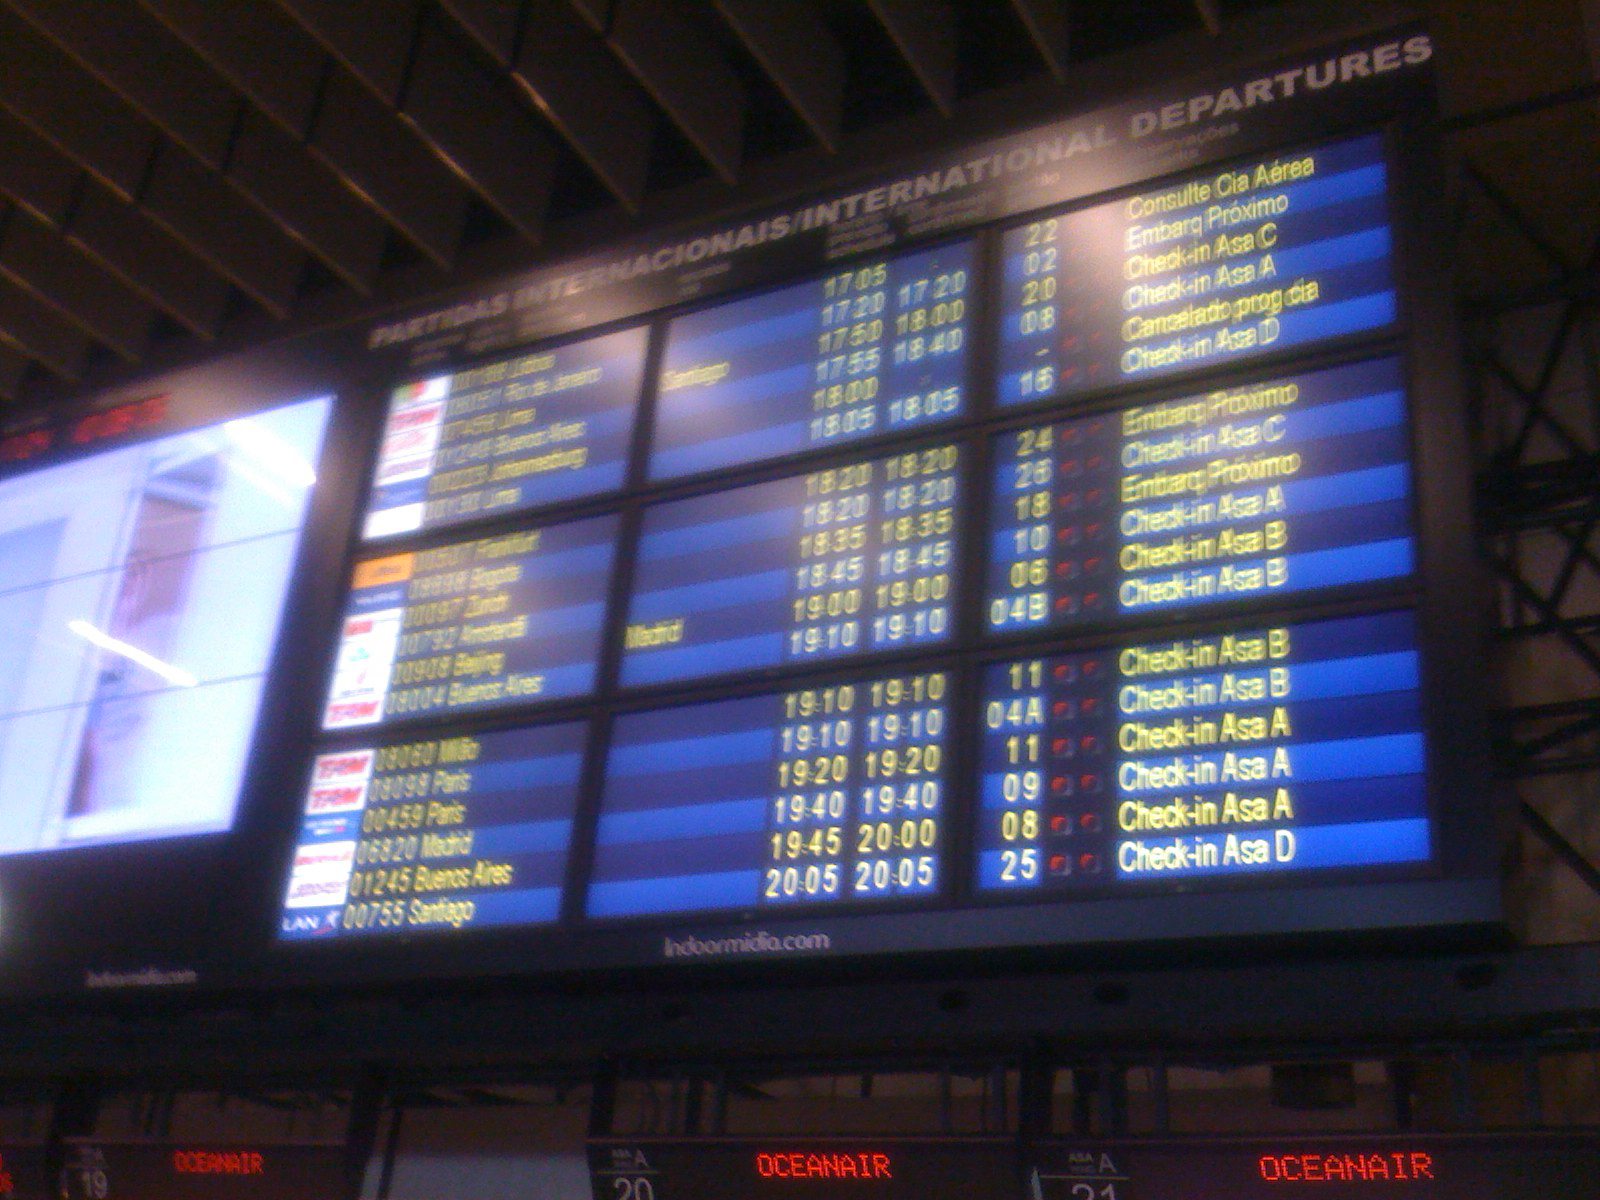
{"x":876,"y":348}
{"x":1254,"y":258}
{"x":500,"y":621}
{"x":817,"y":795}
{"x":541,"y":427}
{"x":849,"y":560}
{"x":1265,"y":751}
{"x":1240,"y":494}
{"x":453,"y":833}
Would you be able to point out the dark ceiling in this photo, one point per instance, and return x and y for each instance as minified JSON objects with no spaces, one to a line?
{"x":172,"y":171}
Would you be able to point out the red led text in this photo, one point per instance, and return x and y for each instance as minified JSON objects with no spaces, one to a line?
{"x":824,"y":1166}
{"x":1400,"y":1166}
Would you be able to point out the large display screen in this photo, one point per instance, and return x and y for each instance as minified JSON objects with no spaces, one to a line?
{"x":1258,"y":751}
{"x":499,"y":621}
{"x":879,"y":347}
{"x":140,"y":596}
{"x":1238,"y":495}
{"x":813,"y":796}
{"x":1261,"y":256}
{"x":1017,"y":678}
{"x":849,"y":560}
{"x":457,"y":832}
{"x":508,"y":435}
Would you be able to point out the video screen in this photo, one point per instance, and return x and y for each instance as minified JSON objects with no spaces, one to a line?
{"x":140,"y":597}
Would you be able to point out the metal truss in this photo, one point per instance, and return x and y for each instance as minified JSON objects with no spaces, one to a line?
{"x":1532,"y":355}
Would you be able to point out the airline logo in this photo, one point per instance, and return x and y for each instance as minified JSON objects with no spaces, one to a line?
{"x":411,"y":434}
{"x":339,"y":782}
{"x":361,"y":676}
{"x":321,"y":875}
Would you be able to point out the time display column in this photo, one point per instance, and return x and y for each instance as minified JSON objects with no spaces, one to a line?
{"x":846,"y":376}
{"x":829,"y":581}
{"x":812,"y":776}
{"x":915,"y":547}
{"x":898,"y":834}
{"x":882,"y":744}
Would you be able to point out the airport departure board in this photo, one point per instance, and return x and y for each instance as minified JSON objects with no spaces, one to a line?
{"x":959,"y":595}
{"x":879,"y":347}
{"x":1242,"y":494}
{"x":525,"y":431}
{"x":848,"y":560}
{"x":1264,"y":255}
{"x":503,"y":620}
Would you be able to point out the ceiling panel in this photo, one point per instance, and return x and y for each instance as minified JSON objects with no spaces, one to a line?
{"x":38,"y":258}
{"x":180,"y":167}
{"x":141,"y":60}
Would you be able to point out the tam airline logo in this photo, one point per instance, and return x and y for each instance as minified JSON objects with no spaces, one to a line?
{"x":339,"y":783}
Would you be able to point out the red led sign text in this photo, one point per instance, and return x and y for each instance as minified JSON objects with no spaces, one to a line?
{"x":1402,"y":1166}
{"x":113,"y":422}
{"x":127,"y":418}
{"x":217,"y":1162}
{"x":811,"y":1165}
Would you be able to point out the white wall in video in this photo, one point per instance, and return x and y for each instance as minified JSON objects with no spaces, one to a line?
{"x":140,"y":596}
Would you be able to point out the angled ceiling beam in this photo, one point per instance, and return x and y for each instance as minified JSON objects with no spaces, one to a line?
{"x":474,"y":122}
{"x":13,"y":369}
{"x":307,"y":200}
{"x":461,"y":112}
{"x":259,"y":49}
{"x":493,"y":24}
{"x":924,"y":31}
{"x":37,"y":330}
{"x":199,"y":209}
{"x":270,"y":57}
{"x":143,"y":62}
{"x":372,"y":38}
{"x":34,"y":174}
{"x":658,"y":41}
{"x":387,"y":163}
{"x":39,"y":259}
{"x":577,"y":84}
{"x":595,"y":13}
{"x":1049,"y":24}
{"x":798,"y":51}
{"x":62,"y":103}
{"x":149,"y":260}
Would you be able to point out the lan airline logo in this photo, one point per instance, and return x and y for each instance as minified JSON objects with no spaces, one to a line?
{"x":317,"y":924}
